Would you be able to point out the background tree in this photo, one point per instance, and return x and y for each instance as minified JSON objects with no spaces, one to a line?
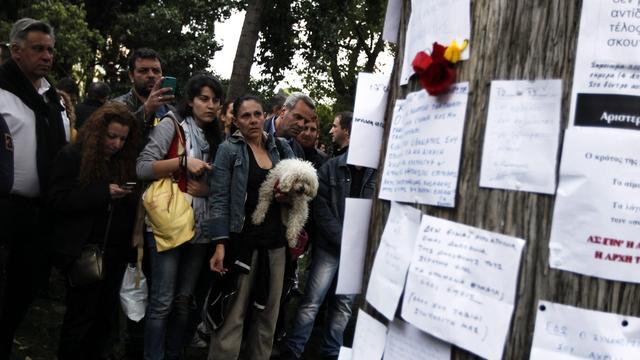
{"x":342,"y":38}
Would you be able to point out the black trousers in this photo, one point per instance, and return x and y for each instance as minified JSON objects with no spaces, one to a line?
{"x":24,"y":233}
{"x":92,"y":312}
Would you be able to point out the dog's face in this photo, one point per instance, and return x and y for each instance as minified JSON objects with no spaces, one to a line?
{"x":297,"y":177}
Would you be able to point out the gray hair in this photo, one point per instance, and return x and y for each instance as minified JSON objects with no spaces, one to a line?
{"x":293,"y":99}
{"x":23,"y":26}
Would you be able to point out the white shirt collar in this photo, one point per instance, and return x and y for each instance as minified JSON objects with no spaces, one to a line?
{"x":44,"y":86}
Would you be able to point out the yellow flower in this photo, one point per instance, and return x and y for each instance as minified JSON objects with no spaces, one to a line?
{"x":452,"y":54}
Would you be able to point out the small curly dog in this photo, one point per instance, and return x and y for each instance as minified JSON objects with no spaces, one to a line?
{"x":299,"y":180}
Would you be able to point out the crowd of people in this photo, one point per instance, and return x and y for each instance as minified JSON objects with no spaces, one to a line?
{"x":72,"y":175}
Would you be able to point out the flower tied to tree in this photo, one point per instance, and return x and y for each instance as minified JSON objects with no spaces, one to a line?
{"x":436,"y":71}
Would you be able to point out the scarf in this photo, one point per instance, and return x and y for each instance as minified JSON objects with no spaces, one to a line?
{"x":197,"y":147}
{"x":50,"y":135}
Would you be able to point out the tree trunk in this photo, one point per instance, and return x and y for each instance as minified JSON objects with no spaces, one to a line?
{"x":511,"y":40}
{"x":239,"y":81}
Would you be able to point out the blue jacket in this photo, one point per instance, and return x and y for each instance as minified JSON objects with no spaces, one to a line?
{"x":328,"y":207}
{"x":229,"y":184}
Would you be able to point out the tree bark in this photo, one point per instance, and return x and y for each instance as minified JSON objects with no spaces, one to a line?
{"x":239,"y":81}
{"x":511,"y":40}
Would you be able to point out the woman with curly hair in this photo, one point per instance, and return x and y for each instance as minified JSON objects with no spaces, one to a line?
{"x":93,"y":205}
{"x":174,"y":272}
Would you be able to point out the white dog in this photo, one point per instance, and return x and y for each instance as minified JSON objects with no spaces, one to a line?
{"x":296,"y":177}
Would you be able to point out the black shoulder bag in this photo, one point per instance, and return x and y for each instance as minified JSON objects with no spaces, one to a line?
{"x":87,"y":268}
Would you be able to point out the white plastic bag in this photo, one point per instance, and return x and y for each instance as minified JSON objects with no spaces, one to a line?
{"x":134,"y":298}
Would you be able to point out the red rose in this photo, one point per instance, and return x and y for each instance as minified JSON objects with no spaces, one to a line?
{"x":435,"y":72}
{"x":437,"y":78}
{"x":421,"y":62}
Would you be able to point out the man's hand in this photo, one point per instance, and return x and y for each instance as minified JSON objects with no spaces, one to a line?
{"x":157,"y":97}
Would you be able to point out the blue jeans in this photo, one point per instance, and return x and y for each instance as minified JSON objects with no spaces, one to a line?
{"x":173,"y":278}
{"x":323,"y":274}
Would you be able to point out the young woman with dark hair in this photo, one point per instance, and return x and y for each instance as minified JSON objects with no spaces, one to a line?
{"x":92,"y":205}
{"x":174,"y":273}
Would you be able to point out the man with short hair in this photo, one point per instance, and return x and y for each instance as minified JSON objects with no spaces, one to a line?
{"x":147,"y":100}
{"x":341,"y":131}
{"x":97,"y":95}
{"x":289,"y":122}
{"x":36,"y":120}
{"x":337,"y":181}
{"x":307,"y":139}
{"x":276,"y":103}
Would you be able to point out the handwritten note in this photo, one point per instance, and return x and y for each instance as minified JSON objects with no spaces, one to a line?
{"x":432,"y":21}
{"x":392,"y":259}
{"x":406,"y":342}
{"x":606,"y":80}
{"x":392,"y":21}
{"x":423,"y":152}
{"x":367,"y":127}
{"x":369,"y":338}
{"x":567,"y":333}
{"x":596,"y":219}
{"x":522,"y":135}
{"x":357,"y":213}
{"x":461,"y":285}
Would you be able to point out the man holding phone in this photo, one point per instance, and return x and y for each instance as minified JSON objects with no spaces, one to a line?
{"x":148,"y":99}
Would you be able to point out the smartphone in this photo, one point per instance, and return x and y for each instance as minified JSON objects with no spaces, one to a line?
{"x":169,"y":82}
{"x":129,"y":185}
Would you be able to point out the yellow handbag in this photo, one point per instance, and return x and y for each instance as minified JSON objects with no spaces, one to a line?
{"x":169,"y":213}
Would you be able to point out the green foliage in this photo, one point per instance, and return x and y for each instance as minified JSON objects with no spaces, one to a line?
{"x":343,"y":39}
{"x":181,"y":31}
{"x":278,"y":39}
{"x":336,"y":40}
{"x":74,"y":38}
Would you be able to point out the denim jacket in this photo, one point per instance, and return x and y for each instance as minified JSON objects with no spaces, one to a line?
{"x":328,"y":207}
{"x":229,"y":184}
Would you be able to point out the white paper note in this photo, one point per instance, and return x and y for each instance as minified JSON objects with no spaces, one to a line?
{"x":568,"y":333}
{"x":345,"y":353}
{"x":596,"y":219}
{"x":522,"y":135}
{"x":369,"y":338}
{"x":423,"y":151}
{"x":367,"y":127}
{"x":406,"y":342}
{"x":392,"y":259}
{"x":606,"y":80}
{"x":357,"y":213}
{"x":432,"y":21}
{"x":392,"y":21}
{"x":461,"y":285}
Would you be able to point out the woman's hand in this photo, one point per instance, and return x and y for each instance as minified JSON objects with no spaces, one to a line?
{"x":117,"y":192}
{"x":197,"y":188}
{"x":197,"y":166}
{"x":216,"y":262}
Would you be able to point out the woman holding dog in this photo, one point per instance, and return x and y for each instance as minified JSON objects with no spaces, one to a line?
{"x":94,"y":207}
{"x":250,"y":257}
{"x":174,"y":272}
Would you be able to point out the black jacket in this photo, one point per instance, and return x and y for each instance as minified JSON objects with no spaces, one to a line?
{"x":328,"y":206}
{"x":81,"y":212}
